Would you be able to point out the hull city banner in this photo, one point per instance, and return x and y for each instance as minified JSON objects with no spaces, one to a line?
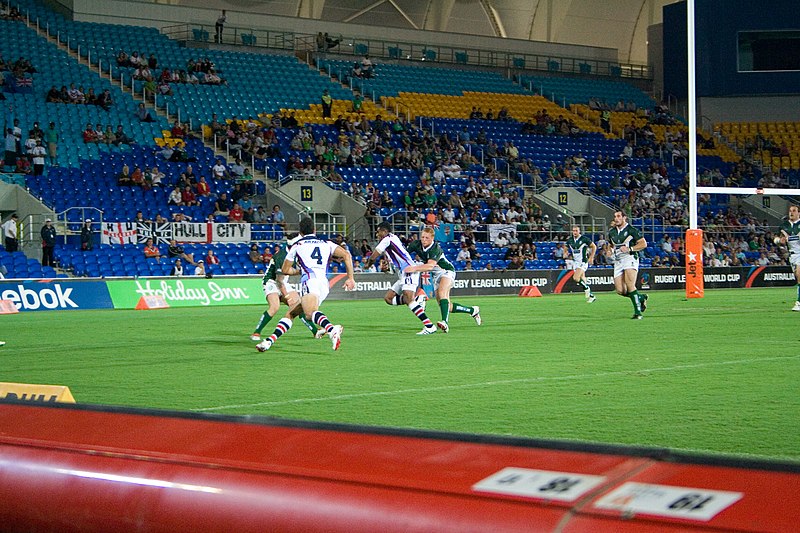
{"x":194,"y":232}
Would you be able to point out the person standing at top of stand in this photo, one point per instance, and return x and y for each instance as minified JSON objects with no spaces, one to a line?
{"x":219,"y":26}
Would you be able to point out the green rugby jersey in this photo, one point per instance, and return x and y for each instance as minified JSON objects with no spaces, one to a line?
{"x":628,"y":235}
{"x":434,"y":252}
{"x":792,"y":231}
{"x":580,"y":247}
{"x":275,"y":265}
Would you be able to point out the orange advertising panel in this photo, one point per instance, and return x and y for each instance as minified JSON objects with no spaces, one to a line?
{"x":694,"y":263}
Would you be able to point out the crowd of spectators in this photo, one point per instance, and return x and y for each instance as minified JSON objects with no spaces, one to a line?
{"x":79,"y":96}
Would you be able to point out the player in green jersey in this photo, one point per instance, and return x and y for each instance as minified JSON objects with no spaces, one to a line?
{"x":790,"y":236}
{"x":277,"y":290}
{"x":583,"y":250}
{"x":443,"y":273}
{"x":626,"y":243}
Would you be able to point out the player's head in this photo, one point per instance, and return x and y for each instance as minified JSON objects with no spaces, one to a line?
{"x":619,"y":219}
{"x":794,"y":212}
{"x":306,"y":226}
{"x":383,"y":230}
{"x":426,"y":237}
{"x":576,"y":231}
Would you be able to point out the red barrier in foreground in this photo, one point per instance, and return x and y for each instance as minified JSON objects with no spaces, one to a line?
{"x":83,"y":469}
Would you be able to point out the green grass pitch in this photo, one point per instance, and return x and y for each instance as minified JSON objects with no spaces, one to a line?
{"x":718,"y":374}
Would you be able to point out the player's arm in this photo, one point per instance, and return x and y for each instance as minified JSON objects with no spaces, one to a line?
{"x":288,"y":268}
{"x":375,"y":255}
{"x":422,"y":267}
{"x":592,"y":252}
{"x":638,"y":246}
{"x":340,"y":253}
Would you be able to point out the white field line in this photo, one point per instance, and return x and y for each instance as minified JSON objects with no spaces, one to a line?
{"x":575,"y":377}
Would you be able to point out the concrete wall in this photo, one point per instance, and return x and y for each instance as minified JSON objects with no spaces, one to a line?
{"x":578,"y":203}
{"x":750,"y":108}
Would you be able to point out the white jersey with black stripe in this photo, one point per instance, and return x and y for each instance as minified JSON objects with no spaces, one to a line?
{"x":312,"y":255}
{"x":395,"y":252}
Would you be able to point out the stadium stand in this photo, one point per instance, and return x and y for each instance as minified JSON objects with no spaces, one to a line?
{"x":520,"y":150}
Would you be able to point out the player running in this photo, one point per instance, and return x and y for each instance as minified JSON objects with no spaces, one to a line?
{"x":583,"y":250}
{"x":443,"y":273}
{"x":790,"y":236}
{"x":404,"y":289}
{"x":277,"y":289}
{"x":312,"y":255}
{"x":627,"y":241}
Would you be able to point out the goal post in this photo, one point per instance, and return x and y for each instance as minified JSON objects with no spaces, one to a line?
{"x":694,"y":235}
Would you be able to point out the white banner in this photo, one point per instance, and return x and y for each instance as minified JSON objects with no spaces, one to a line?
{"x":231,"y":232}
{"x":118,"y":233}
{"x":191,"y":231}
{"x":497,"y":229}
{"x":200,"y":232}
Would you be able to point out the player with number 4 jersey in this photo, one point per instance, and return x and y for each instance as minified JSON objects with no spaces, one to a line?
{"x":277,"y":289}
{"x":312,"y":256}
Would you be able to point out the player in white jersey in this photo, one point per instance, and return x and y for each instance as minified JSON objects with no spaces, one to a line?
{"x":404,"y":289}
{"x":312,"y":255}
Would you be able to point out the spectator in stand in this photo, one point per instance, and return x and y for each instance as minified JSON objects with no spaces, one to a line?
{"x":87,"y":238}
{"x":143,"y":114}
{"x":51,"y":138}
{"x":211,"y":259}
{"x":222,"y":206}
{"x":48,"y":233}
{"x":261,"y":216}
{"x":327,"y":104}
{"x":200,"y":269}
{"x":157,"y":177}
{"x":23,"y":165}
{"x":177,"y":130}
{"x":236,"y":213}
{"x":89,"y":135}
{"x":516,"y":263}
{"x":11,"y":148}
{"x":176,"y":250}
{"x":219,"y":171}
{"x":202,"y":187}
{"x":151,"y":251}
{"x":124,"y":178}
{"x":177,"y":268}
{"x":37,"y":155}
{"x":137,"y":177}
{"x":278,"y":216}
{"x":254,"y":255}
{"x":175,"y":197}
{"x":367,"y":67}
{"x":219,"y":26}
{"x":121,"y":137}
{"x":104,"y":100}
{"x":188,"y":197}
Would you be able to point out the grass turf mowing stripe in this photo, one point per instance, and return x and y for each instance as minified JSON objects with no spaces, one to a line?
{"x":494,"y":383}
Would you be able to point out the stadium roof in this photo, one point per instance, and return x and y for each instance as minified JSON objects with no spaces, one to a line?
{"x":618,"y":24}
